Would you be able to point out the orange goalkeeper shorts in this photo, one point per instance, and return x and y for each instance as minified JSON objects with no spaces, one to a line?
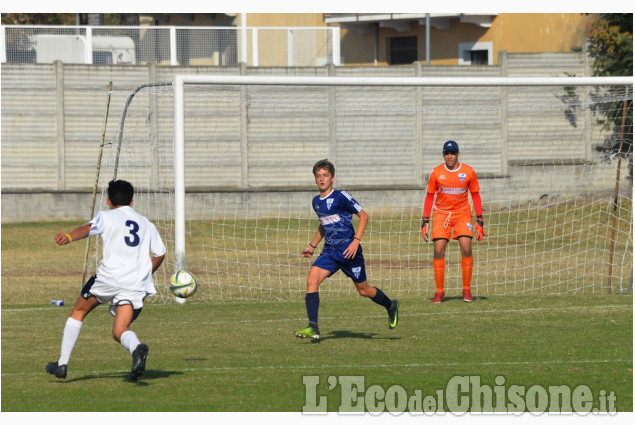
{"x":443,"y":222}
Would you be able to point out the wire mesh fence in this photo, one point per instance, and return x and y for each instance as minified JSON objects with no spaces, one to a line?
{"x":184,"y":46}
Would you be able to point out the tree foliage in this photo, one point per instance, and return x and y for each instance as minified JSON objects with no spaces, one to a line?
{"x":611,"y":44}
{"x":67,"y":18}
{"x":39,"y":18}
{"x":611,"y":49}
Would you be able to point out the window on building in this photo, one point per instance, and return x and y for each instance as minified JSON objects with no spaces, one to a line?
{"x":480,"y":53}
{"x":403,"y":50}
{"x":478,"y":57}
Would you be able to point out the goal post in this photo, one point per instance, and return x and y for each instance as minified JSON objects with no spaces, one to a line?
{"x":180,"y":80}
{"x":234,"y":182}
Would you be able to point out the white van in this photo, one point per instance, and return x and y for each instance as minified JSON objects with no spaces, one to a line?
{"x":47,"y":48}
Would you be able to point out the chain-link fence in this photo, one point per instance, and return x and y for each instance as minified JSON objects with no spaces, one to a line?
{"x":185,"y":46}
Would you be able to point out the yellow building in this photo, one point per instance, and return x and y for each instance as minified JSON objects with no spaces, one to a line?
{"x":235,"y":19}
{"x":455,"y":38}
{"x":257,"y":39}
{"x":434,"y":39}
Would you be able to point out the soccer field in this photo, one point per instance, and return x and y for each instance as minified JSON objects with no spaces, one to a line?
{"x":242,"y":356}
{"x":207,"y":357}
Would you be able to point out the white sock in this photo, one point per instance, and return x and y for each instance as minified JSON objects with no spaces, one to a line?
{"x":69,"y":339}
{"x":129,"y":340}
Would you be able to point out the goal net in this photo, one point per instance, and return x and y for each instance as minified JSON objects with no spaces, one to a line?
{"x":223,"y":167}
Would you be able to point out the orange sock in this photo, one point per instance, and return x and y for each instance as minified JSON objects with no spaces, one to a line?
{"x":466,"y":271}
{"x":439,"y":273}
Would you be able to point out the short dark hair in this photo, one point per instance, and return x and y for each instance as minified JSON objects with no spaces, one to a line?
{"x":324,"y":163}
{"x":120,"y":192}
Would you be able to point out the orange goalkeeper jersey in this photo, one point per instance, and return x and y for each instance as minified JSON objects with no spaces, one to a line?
{"x":451,"y":187}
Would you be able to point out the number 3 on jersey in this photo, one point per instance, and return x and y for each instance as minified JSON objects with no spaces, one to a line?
{"x":133,"y":239}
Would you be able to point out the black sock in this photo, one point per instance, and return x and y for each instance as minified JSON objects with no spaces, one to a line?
{"x":382,"y":299}
{"x":312,"y":302}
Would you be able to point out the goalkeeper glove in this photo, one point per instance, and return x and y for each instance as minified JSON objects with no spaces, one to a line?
{"x":425,"y":222}
{"x":480,"y":233}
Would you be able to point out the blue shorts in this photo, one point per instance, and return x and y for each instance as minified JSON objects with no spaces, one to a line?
{"x":332,"y":259}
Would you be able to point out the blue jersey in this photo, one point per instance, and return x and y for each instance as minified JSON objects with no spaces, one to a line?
{"x":335,"y":212}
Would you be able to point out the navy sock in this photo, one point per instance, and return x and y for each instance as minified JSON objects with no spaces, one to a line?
{"x":312,"y":302}
{"x":382,"y":299}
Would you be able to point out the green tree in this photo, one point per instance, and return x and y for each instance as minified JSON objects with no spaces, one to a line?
{"x":611,"y":44}
{"x":611,"y":49}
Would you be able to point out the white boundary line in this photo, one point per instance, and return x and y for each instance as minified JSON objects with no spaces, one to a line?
{"x":344,"y":366}
{"x":420,"y":314}
{"x":441,"y":313}
{"x":407,"y":365}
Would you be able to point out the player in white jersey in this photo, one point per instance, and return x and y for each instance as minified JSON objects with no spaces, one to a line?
{"x":342,"y":249}
{"x":124,"y":276}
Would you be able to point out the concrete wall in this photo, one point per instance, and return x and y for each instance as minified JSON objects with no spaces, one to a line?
{"x":537,"y":185}
{"x":53,"y":116}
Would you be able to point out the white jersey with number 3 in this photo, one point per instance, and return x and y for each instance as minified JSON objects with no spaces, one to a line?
{"x":128,"y":238}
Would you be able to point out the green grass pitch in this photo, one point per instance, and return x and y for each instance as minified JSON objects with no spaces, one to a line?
{"x":242,"y":356}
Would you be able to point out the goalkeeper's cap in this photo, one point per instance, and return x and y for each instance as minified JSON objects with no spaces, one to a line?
{"x":450,"y":146}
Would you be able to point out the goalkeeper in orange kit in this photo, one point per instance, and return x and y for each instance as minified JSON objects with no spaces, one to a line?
{"x":451,"y":182}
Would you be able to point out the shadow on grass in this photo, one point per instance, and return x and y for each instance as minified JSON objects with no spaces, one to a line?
{"x":125,"y":376}
{"x":353,"y":335}
{"x":460,"y":298}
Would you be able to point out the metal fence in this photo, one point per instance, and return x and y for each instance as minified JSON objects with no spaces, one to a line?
{"x":172,"y":46}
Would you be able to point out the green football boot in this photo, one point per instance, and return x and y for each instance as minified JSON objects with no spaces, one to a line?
{"x":393,"y":315}
{"x":310,"y":331}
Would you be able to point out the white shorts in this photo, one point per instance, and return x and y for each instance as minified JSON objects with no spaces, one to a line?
{"x":115,"y":295}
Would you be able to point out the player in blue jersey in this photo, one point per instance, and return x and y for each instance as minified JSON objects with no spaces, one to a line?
{"x":342,"y":249}
{"x":123,"y":279}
